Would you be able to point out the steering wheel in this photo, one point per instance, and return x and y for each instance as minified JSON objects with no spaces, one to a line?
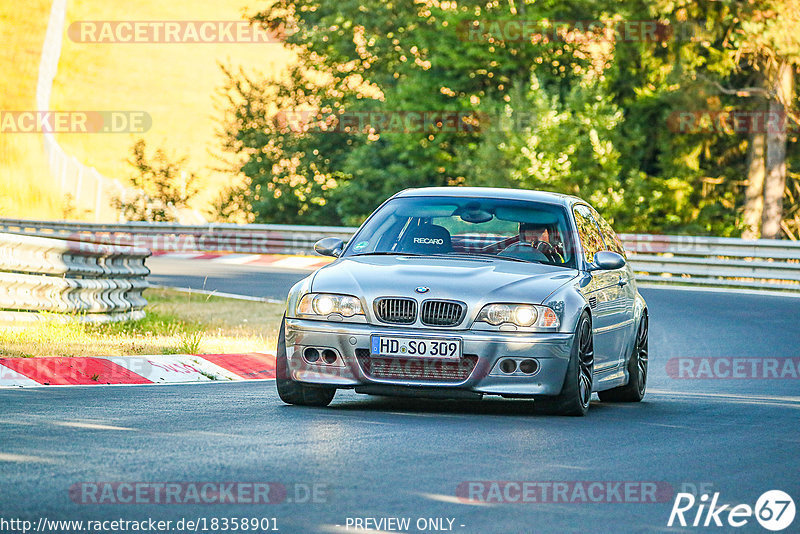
{"x":548,"y":250}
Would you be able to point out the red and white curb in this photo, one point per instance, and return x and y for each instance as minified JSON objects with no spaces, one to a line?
{"x":168,"y":369}
{"x":279,"y":261}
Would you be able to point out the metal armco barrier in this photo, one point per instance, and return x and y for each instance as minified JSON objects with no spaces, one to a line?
{"x":94,"y":282}
{"x":715,"y":261}
{"x":169,"y":237}
{"x":689,"y":260}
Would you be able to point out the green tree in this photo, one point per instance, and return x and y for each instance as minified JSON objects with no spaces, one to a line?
{"x":569,"y":113}
{"x":163,"y":186}
{"x":390,"y":57}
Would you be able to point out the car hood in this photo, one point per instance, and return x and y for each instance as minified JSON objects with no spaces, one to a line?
{"x":474,"y":281}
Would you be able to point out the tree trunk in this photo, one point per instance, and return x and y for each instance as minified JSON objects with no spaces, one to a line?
{"x":775,"y":182}
{"x":754,"y":195}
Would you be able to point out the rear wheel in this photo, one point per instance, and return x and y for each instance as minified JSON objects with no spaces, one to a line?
{"x":633,"y":391}
{"x":290,"y":391}
{"x":577,"y":389}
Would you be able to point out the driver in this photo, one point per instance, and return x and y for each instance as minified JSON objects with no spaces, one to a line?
{"x":531,"y":234}
{"x":534,"y":244}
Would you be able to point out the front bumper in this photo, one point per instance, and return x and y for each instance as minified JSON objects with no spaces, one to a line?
{"x":352,"y":341}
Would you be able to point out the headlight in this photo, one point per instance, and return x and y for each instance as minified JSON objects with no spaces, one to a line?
{"x":524,"y":315}
{"x":326,"y":304}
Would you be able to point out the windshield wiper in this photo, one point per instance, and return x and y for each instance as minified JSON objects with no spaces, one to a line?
{"x":387,"y":253}
{"x":450,"y":255}
{"x":548,"y":263}
{"x":481,"y":256}
{"x":509,"y":258}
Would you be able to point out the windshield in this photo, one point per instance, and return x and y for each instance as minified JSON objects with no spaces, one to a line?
{"x":513,"y":230}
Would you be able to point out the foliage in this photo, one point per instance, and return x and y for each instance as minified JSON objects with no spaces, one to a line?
{"x":576,"y":114}
{"x":164,"y":187}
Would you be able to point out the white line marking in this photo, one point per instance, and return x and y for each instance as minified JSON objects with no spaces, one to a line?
{"x":158,"y":384}
{"x":90,"y":426}
{"x":219,"y":294}
{"x":759,"y":292}
{"x":23,"y":458}
{"x":723,"y":395}
{"x":297,"y":262}
{"x":562,"y":466}
{"x":452,"y":499}
{"x":237,"y":259}
{"x":668,"y":426}
{"x":11,"y":378}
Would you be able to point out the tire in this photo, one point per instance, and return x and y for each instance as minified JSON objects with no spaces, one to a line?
{"x":634,"y":390}
{"x":290,"y":391}
{"x":576,"y":392}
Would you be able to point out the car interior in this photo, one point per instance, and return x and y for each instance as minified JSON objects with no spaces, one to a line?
{"x":510,"y":230}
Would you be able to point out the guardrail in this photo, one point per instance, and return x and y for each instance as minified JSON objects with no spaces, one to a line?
{"x":690,"y":260}
{"x":169,"y":237}
{"x":94,"y":282}
{"x":715,"y":261}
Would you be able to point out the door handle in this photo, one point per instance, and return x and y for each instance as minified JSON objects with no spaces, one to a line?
{"x":622,"y":282}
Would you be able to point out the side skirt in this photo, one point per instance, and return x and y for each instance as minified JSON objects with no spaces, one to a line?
{"x":610,"y":378}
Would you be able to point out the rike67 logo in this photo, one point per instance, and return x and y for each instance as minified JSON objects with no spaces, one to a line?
{"x":774,"y":510}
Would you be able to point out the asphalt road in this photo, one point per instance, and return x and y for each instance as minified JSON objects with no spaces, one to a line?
{"x":252,"y":280}
{"x":376,"y":457}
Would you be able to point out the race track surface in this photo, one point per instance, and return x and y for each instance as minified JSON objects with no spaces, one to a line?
{"x":251,"y":280}
{"x":377,"y":457}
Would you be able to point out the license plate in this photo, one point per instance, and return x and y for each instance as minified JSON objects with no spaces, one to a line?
{"x":416,"y":347}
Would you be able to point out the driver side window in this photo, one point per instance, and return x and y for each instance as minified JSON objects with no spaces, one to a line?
{"x":591,"y":238}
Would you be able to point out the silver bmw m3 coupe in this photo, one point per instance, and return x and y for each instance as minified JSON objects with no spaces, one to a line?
{"x":464,"y":292}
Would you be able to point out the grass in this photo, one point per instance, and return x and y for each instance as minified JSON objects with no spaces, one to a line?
{"x":26,"y":187}
{"x":176,"y":323}
{"x":177,"y":84}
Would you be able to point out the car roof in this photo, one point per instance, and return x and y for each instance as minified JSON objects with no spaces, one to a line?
{"x":491,"y":192}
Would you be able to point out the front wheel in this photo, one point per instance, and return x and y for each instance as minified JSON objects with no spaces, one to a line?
{"x":577,"y":389}
{"x":633,"y":391}
{"x":290,"y":391}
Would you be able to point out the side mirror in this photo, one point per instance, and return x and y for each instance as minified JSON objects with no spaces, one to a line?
{"x":607,"y":261}
{"x":330,"y":246}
